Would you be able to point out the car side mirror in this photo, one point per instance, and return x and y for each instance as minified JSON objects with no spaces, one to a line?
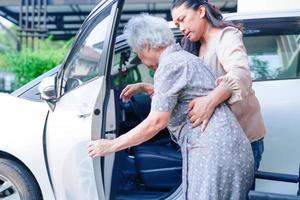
{"x":72,"y":83}
{"x":47,"y":89}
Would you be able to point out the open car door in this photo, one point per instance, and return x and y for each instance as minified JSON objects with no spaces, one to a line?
{"x":79,"y":113}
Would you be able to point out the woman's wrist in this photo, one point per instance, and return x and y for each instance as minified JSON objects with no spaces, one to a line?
{"x":219,"y":95}
{"x":115,"y":144}
{"x":148,"y":88}
{"x":212,"y":101}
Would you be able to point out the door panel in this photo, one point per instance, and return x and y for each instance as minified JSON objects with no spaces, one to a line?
{"x":275,"y":65}
{"x":68,"y":133}
{"x":280,"y":104}
{"x":79,"y":111}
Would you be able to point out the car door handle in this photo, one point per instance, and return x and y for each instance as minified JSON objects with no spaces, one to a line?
{"x":84,"y":115}
{"x":84,"y":110}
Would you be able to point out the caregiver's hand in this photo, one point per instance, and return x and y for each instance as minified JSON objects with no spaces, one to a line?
{"x":200,"y":111}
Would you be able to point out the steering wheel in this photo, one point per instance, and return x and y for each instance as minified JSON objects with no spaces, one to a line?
{"x":135,"y":108}
{"x":140,"y":104}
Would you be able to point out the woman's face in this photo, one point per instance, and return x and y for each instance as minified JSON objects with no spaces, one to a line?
{"x":190,"y":22}
{"x":148,"y":57}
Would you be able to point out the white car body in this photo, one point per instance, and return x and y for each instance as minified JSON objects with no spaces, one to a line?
{"x":25,"y":139}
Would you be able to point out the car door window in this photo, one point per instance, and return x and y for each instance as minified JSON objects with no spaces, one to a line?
{"x":273,"y":54}
{"x":128,"y":69}
{"x":83,"y":64}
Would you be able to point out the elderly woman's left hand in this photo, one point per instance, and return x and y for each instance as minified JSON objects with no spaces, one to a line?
{"x":100,"y":147}
{"x":200,"y":111}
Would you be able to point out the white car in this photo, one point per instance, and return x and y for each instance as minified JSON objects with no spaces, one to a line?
{"x":43,"y":145}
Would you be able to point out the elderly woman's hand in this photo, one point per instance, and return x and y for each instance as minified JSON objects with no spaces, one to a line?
{"x":200,"y":111}
{"x":133,"y":89}
{"x":100,"y":147}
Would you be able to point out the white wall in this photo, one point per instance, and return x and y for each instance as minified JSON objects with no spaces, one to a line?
{"x":267,"y":5}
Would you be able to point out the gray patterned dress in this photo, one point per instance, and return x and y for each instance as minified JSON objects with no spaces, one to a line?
{"x":218,"y":162}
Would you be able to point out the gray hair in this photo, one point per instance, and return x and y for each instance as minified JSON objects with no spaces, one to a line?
{"x":145,"y":29}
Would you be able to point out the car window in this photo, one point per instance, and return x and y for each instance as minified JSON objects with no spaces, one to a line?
{"x":273,"y":52}
{"x":128,"y":69}
{"x":83,"y":65}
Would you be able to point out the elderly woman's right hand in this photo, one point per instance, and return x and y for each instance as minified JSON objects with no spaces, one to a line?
{"x":100,"y":147}
{"x":133,"y":89}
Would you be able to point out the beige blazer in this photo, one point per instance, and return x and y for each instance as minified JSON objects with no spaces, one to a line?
{"x":227,"y":57}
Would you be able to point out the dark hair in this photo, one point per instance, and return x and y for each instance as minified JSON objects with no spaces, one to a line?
{"x":212,"y":14}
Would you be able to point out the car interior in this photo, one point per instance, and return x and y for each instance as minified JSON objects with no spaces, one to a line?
{"x":151,"y":170}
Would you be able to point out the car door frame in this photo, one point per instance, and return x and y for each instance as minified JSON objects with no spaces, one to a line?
{"x":98,"y":121}
{"x":109,"y":54}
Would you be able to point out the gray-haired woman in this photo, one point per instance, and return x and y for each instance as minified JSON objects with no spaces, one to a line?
{"x":217,"y":162}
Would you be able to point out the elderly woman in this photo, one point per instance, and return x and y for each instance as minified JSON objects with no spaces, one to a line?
{"x":217,"y":161}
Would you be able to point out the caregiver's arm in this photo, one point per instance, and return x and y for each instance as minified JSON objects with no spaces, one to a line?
{"x":233,"y":86}
{"x":202,"y":108}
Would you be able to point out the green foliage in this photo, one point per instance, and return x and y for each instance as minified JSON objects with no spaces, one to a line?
{"x":128,"y":76}
{"x":261,"y":69}
{"x":151,"y":72}
{"x":28,"y":64}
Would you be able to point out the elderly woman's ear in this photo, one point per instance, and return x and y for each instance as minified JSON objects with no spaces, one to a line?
{"x":147,"y":48}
